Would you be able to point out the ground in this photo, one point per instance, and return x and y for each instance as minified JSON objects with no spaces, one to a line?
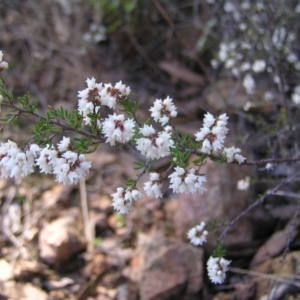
{"x":67,"y":242}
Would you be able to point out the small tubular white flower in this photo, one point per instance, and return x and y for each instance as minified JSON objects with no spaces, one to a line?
{"x":245,"y":66}
{"x":89,"y":101}
{"x":154,"y":144}
{"x":183,"y":181}
{"x":3,"y":64}
{"x":217,"y":268}
{"x":232,"y":154}
{"x":70,"y":167}
{"x":212,"y":133}
{"x":269,"y":96}
{"x":64,"y":144}
{"x":110,"y":95}
{"x":152,"y":188}
{"x":122,"y":200}
{"x":16,"y":163}
{"x":243,"y":184}
{"x":115,"y":129}
{"x":197,"y":235}
{"x":259,"y":66}
{"x":269,"y":167}
{"x":249,"y":84}
{"x":296,"y":95}
{"x":47,"y":159}
{"x":209,"y":120}
{"x":163,"y":110}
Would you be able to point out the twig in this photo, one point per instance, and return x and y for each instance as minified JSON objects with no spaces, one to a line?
{"x":164,"y":13}
{"x":257,"y":202}
{"x":281,"y":278}
{"x":140,"y":49}
{"x":54,"y":122}
{"x":85,"y":214}
{"x":291,"y":229}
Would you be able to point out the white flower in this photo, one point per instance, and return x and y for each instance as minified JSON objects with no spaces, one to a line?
{"x":292,"y":57}
{"x":209,"y":120}
{"x":243,"y":184}
{"x":3,"y":64}
{"x":245,"y":66}
{"x":249,"y":84}
{"x":16,"y":163}
{"x":162,"y":111}
{"x":89,"y":101}
{"x":183,"y":181}
{"x":229,"y":6}
{"x":110,"y":95}
{"x":115,"y":129}
{"x":296,"y":95}
{"x":47,"y":159}
{"x":197,"y":235}
{"x":154,"y":144}
{"x":152,"y":188}
{"x":259,"y":66}
{"x":232,"y":154}
{"x":70,"y":167}
{"x":214,"y":63}
{"x":91,"y":93}
{"x":223,"y":52}
{"x":269,"y":167}
{"x":230,"y":63}
{"x":217,"y":268}
{"x":269,"y":96}
{"x":212,"y":133}
{"x":122,"y":200}
{"x":64,"y":144}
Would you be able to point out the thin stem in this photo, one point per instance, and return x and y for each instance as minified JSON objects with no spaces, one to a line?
{"x":54,"y":122}
{"x":85,"y":214}
{"x":256,"y":203}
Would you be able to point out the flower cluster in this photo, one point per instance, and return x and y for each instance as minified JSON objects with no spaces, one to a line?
{"x":213,"y":133}
{"x":68,"y":166}
{"x":217,"y":268}
{"x":183,"y":181}
{"x":123,"y":199}
{"x":96,"y":95}
{"x":117,"y":129}
{"x":16,"y":162}
{"x":153,"y":144}
{"x":197,"y":235}
{"x":250,"y":50}
{"x":162,"y":111}
{"x":232,"y":154}
{"x":152,"y":188}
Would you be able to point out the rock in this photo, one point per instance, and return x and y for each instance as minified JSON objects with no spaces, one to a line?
{"x":22,"y":291}
{"x":59,"y":241}
{"x":166,"y":268}
{"x":221,"y":200}
{"x":275,"y":244}
{"x":6,"y":272}
{"x":284,"y":281}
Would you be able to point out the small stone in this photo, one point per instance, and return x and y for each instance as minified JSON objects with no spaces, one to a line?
{"x":60,"y":240}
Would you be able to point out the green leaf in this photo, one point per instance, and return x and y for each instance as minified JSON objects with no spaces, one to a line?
{"x":139,"y":165}
{"x":129,"y":183}
{"x":220,"y":251}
